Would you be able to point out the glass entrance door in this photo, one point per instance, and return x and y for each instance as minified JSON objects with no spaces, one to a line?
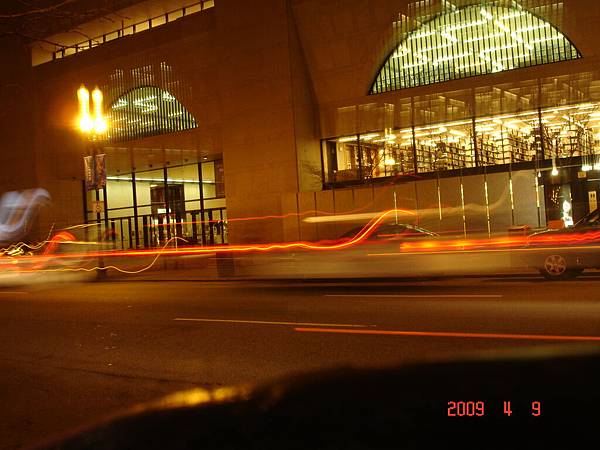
{"x":168,"y":212}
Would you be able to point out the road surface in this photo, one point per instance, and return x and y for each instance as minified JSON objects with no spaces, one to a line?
{"x":71,"y":353}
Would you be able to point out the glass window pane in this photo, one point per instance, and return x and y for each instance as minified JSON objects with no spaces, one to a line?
{"x":473,"y":40}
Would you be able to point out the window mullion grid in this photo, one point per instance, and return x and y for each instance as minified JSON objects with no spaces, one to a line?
{"x":439,"y":41}
{"x":512,"y":52}
{"x":549,"y":57}
{"x":403,"y":72}
{"x":411,"y":62}
{"x":445,"y":73}
{"x":535,"y":36}
{"x":503,"y":52}
{"x":389,"y":73}
{"x":476,"y":49}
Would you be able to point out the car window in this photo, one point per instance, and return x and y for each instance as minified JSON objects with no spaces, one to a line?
{"x":592,"y":219}
{"x":390,"y":231}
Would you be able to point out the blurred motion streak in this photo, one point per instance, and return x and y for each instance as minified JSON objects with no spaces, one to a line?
{"x":17,"y":211}
{"x":323,"y":216}
{"x":366,"y":231}
{"x":40,"y":262}
{"x":441,"y":209}
{"x":537,"y":337}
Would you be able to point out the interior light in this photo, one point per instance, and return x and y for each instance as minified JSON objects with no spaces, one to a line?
{"x":449,"y":36}
{"x":554,"y":169}
{"x":502,"y":26}
{"x":486,"y":14}
{"x":368,"y":137}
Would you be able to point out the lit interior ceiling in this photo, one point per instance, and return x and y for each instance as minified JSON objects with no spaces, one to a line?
{"x":470,"y":41}
{"x":147,"y":111}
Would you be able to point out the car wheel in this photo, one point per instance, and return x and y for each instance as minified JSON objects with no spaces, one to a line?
{"x":555,"y":267}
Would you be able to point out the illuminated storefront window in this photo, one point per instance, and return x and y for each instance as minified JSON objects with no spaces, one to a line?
{"x":470,"y":41}
{"x":551,"y":133}
{"x":147,"y":111}
{"x":368,"y":156}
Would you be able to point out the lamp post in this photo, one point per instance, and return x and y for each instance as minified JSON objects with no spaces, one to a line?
{"x":94,"y":130}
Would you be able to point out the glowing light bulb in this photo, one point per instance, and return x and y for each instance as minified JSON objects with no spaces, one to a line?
{"x":85,"y":121}
{"x":99,"y":122}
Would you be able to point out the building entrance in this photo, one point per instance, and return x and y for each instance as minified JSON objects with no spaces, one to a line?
{"x":147,"y":208}
{"x":168,"y":211}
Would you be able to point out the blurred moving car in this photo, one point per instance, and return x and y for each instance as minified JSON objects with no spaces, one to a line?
{"x":392,"y":232}
{"x":569,"y":250}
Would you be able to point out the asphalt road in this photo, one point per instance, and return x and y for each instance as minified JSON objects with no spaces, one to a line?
{"x":71,"y":353}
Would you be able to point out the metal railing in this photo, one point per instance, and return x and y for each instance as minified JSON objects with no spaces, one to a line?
{"x":123,"y":233}
{"x":129,"y":30}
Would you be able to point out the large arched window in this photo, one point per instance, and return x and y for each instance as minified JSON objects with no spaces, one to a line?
{"x":470,"y":41}
{"x":147,"y":111}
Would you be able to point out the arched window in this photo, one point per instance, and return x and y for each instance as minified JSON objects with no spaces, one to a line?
{"x":470,"y":41}
{"x":147,"y":111}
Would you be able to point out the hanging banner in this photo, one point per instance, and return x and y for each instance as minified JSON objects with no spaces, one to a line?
{"x":95,"y":172}
{"x":219,"y":179}
{"x":100,"y":170}
{"x":90,"y":173}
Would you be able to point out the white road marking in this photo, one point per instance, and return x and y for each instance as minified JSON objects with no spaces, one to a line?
{"x":417,"y":295}
{"x":265,"y":322}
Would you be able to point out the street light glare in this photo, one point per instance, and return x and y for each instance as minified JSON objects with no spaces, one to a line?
{"x":97,"y":97}
{"x":86,"y":124}
{"x":99,"y":122}
{"x":100,"y":125}
{"x":84,"y":97}
{"x":85,"y":121}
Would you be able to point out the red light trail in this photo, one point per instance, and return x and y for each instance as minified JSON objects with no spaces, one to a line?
{"x":430,"y":245}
